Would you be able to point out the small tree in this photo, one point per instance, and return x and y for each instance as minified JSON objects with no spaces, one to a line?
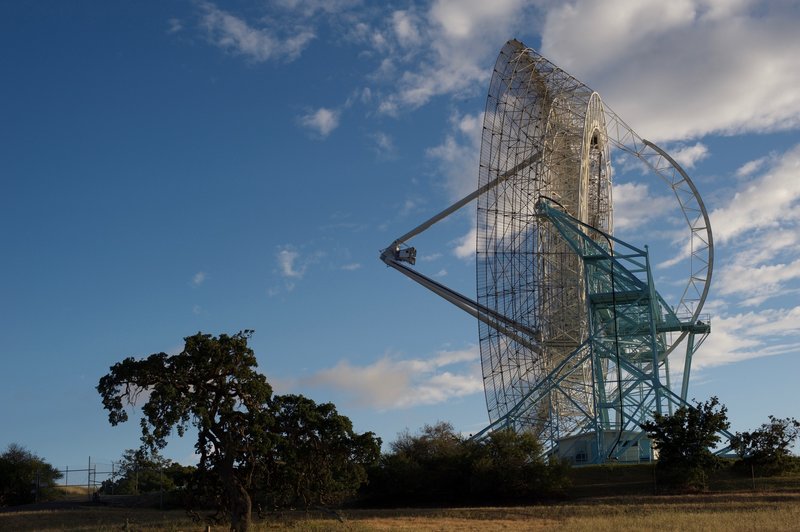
{"x":508,"y":466}
{"x":768,"y":447}
{"x":23,"y":476}
{"x":211,"y":384}
{"x":430,"y":467}
{"x":684,"y":441}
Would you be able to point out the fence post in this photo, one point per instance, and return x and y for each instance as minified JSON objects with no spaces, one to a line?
{"x":89,"y":479}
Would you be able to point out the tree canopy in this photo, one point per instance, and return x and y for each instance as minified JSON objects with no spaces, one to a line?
{"x":24,"y":476}
{"x":286,"y":449}
{"x":439,"y":466}
{"x":318,"y":459}
{"x":211,"y":384}
{"x":769,"y":446}
{"x":685,"y":440}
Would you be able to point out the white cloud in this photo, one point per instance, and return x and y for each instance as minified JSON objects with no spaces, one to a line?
{"x":458,"y":155}
{"x":635,"y":205}
{"x":457,"y":160}
{"x":750,"y":335}
{"x":309,"y":8}
{"x":685,"y":59}
{"x":258,"y":44}
{"x":760,"y":265}
{"x":353,"y":266}
{"x":287,"y":260}
{"x":321,"y":121}
{"x":429,"y":257}
{"x":765,"y":202}
{"x":175,"y":25}
{"x":447,"y":48}
{"x":758,"y":262}
{"x":405,"y":25}
{"x":402,"y":383}
{"x":293,"y":265}
{"x":384,"y":145}
{"x":757,"y":283}
{"x":460,"y":19}
{"x":695,"y":66}
{"x":688,"y":156}
{"x":751,"y":167}
{"x":199,"y":278}
{"x":409,"y":205}
{"x":766,"y":246}
{"x":466,"y":245}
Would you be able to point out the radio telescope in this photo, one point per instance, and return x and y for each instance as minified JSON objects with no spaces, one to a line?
{"x":575,"y":341}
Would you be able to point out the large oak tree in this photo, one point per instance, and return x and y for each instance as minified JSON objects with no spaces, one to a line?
{"x":284,"y":450}
{"x":211,"y":385}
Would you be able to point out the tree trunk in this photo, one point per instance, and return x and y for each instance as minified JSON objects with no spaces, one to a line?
{"x":241,"y":508}
{"x":240,"y":505}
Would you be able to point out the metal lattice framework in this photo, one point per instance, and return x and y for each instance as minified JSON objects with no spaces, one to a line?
{"x":574,"y":338}
{"x":545,"y":131}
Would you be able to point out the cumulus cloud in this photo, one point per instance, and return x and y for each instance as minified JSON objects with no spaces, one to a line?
{"x":447,"y":48}
{"x":695,"y":66}
{"x":198,"y":278}
{"x":322,"y":121}
{"x":688,"y":156}
{"x":466,"y":246}
{"x":235,"y":35}
{"x":391,"y":383}
{"x":635,"y":204}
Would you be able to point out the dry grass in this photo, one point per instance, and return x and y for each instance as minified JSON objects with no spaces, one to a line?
{"x":727,"y":511}
{"x":70,"y":492}
{"x":97,"y":518}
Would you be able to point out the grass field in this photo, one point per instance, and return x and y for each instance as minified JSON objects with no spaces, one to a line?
{"x":602,"y":498}
{"x":778,"y":510}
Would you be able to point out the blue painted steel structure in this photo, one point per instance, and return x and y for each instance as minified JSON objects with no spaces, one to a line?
{"x":626,"y":347}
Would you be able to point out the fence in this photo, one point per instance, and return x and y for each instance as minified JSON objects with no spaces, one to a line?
{"x":90,"y":477}
{"x":96,"y":477}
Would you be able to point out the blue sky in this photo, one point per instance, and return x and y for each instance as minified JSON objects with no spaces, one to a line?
{"x":176,"y":167}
